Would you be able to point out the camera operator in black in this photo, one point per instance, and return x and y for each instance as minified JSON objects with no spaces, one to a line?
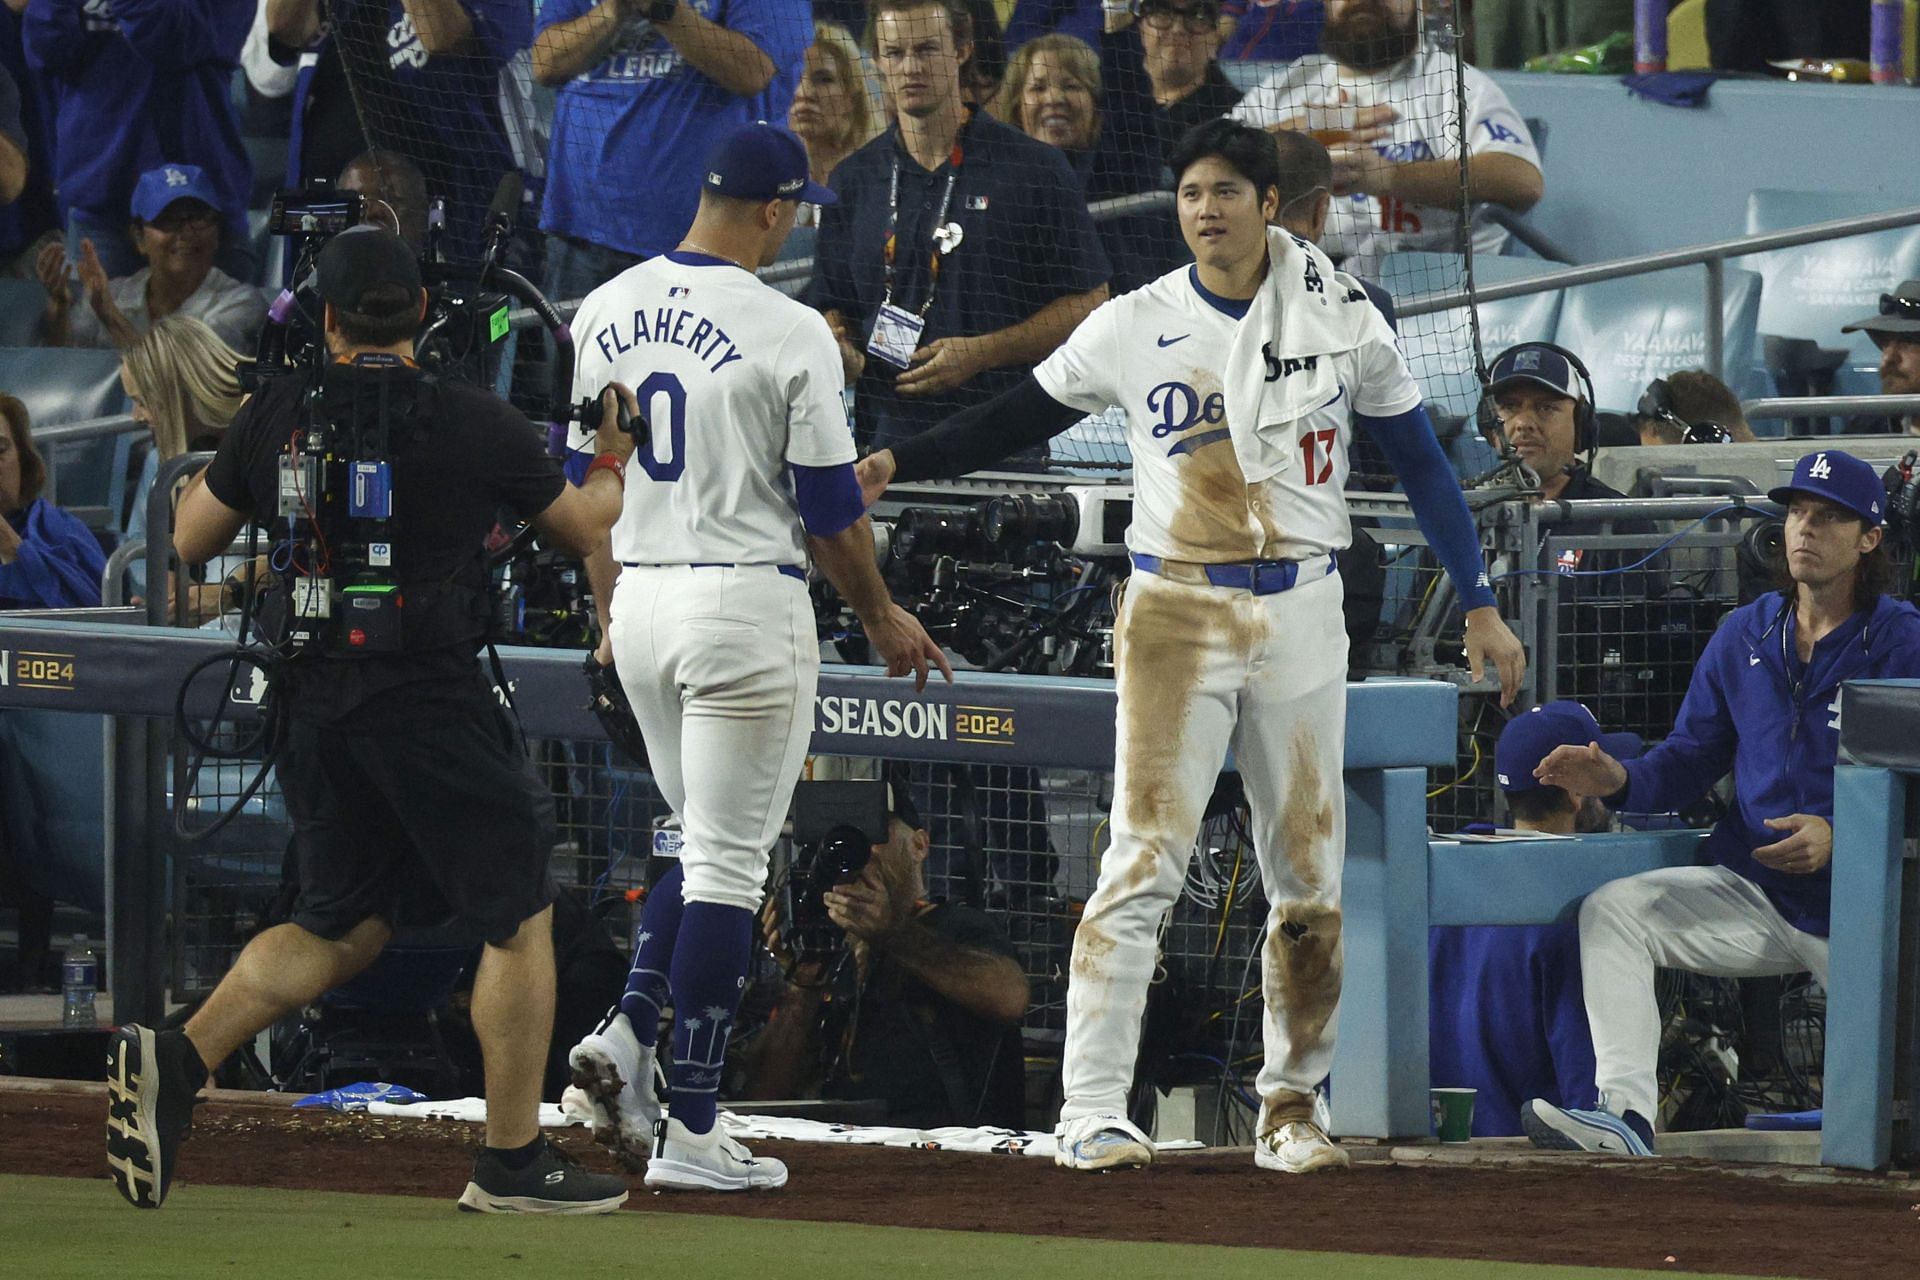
{"x":922,"y":1011}
{"x":406,"y":780}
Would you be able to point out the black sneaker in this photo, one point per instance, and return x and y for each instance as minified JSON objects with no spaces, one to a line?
{"x":554,"y":1182}
{"x":153,"y":1085}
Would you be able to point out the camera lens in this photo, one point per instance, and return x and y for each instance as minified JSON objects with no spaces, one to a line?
{"x":936,"y":531}
{"x":1017,"y":518}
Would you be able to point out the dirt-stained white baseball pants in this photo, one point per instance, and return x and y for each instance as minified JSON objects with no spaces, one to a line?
{"x":1201,"y":669}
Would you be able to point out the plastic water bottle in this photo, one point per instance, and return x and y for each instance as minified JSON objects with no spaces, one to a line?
{"x":79,"y":985}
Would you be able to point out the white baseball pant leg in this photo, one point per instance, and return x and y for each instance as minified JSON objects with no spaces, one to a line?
{"x":1702,"y":919}
{"x":1187,"y":657}
{"x":721,"y":666}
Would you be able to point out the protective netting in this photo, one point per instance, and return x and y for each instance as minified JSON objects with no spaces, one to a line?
{"x":1009,"y":160}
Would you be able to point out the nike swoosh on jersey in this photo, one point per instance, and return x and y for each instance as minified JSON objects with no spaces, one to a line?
{"x":1165,"y":341}
{"x":1753,"y":659}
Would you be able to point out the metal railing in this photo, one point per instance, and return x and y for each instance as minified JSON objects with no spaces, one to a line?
{"x":790,"y":271}
{"x":1712,"y":256}
{"x":1828,"y":406}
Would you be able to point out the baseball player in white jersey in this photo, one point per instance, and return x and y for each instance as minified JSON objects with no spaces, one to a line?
{"x":1240,"y":377}
{"x":746,"y":467}
{"x":1384,"y":104}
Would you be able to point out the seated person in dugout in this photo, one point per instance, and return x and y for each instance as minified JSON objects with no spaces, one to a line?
{"x":918,"y":1005}
{"x":1505,"y":1016}
{"x":1764,"y":703}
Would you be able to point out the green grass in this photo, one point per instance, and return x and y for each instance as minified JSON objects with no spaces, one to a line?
{"x":54,"y":1228}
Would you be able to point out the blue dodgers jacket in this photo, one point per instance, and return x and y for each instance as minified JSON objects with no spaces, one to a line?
{"x":1752,"y":706}
{"x":136,"y":84}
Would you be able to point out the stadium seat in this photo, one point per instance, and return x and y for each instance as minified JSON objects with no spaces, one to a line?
{"x":63,"y":384}
{"x":22,"y":303}
{"x":1812,"y":290}
{"x":1633,"y":330}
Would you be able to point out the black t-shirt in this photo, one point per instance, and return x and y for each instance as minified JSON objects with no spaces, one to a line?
{"x":466,"y":457}
{"x":917,"y":1049}
{"x":1215,"y":97}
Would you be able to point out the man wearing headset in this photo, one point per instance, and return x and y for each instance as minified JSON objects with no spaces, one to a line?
{"x":1542,"y":406}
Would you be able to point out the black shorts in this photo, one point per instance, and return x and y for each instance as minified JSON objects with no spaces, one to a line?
{"x":436,"y":812}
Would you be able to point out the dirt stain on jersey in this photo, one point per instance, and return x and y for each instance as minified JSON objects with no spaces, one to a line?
{"x":1306,"y":815}
{"x":1141,"y":871}
{"x":1091,"y":945}
{"x":1301,"y":970}
{"x":1214,"y":520}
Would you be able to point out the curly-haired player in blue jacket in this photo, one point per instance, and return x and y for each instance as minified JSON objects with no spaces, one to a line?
{"x":1764,"y":703}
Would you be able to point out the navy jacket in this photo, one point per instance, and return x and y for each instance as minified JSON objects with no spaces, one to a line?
{"x":1507,"y":1018}
{"x":136,"y":84}
{"x":59,"y":563}
{"x":1753,"y":707}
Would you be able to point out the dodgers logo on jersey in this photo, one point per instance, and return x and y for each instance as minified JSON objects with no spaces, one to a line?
{"x":1178,"y":406}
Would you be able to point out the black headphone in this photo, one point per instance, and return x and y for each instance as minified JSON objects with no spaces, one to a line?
{"x":1586,"y":431}
{"x":1657,"y":402}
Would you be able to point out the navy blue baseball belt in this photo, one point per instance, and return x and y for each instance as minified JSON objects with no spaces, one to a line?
{"x":791,"y":570}
{"x":1262,"y":577}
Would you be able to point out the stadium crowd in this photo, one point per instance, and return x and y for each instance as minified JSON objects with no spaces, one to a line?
{"x":1000,"y":171}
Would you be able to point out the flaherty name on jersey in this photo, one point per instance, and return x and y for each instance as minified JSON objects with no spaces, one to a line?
{"x":669,"y":326}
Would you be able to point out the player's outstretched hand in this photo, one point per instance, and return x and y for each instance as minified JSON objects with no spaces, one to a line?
{"x":1587,"y":770}
{"x":875,"y":473}
{"x":1489,"y":639}
{"x":904,"y":645}
{"x":1807,"y":848}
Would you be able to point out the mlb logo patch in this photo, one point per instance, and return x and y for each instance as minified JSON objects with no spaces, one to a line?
{"x":679,"y":291}
{"x":976,"y":202}
{"x":1569,"y":560}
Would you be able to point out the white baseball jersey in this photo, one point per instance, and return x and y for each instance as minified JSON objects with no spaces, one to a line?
{"x":737,"y":381}
{"x":1160,"y":353}
{"x":1363,"y":229}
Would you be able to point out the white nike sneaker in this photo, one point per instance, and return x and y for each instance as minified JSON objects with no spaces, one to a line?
{"x":619,"y":1078}
{"x":711,"y":1161}
{"x":1299,"y":1146}
{"x":1101,"y":1142}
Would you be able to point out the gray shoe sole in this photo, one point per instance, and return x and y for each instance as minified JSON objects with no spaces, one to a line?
{"x":133,"y":1133}
{"x":475,"y":1200}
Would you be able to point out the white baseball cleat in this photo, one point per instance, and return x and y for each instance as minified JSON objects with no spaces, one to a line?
{"x":1299,"y":1146}
{"x":1101,"y":1142}
{"x":711,"y":1161}
{"x":618,"y":1077}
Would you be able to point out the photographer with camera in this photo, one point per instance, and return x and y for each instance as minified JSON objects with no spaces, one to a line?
{"x":405,"y":778}
{"x":892,"y":996}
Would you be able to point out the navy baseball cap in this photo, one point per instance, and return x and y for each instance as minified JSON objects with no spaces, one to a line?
{"x":160,"y":187}
{"x":762,"y":161}
{"x":363,"y":258}
{"x":1530,"y":363}
{"x":1528,"y":739}
{"x":1841,"y":479}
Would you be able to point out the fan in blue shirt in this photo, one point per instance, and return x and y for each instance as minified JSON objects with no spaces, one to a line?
{"x":442,"y":82}
{"x":646,"y":88}
{"x":136,"y":84}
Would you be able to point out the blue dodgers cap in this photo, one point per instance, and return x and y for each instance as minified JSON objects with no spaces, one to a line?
{"x":160,"y":187}
{"x":1528,"y":739}
{"x":1536,"y":364}
{"x":1840,"y":478}
{"x":762,"y":161}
